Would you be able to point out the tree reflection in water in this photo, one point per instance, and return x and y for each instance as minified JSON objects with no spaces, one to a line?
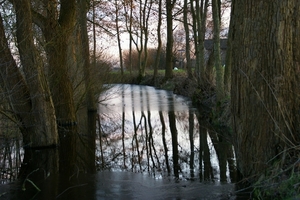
{"x":154,"y":130}
{"x":140,"y":129}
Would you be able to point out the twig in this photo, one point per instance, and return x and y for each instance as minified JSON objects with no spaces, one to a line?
{"x":70,"y":188}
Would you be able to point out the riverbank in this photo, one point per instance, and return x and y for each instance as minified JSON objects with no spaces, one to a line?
{"x":218,"y":120}
{"x":179,"y":84}
{"x":216,"y":117}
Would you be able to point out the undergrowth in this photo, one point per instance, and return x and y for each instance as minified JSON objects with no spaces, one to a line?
{"x":279,"y":183}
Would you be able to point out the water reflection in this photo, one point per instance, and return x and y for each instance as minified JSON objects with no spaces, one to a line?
{"x":140,"y":129}
{"x":140,"y":98}
{"x":143,"y":129}
{"x":11,"y":156}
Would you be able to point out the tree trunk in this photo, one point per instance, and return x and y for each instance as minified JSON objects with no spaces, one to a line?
{"x":217,"y":51}
{"x":30,"y":101}
{"x":145,"y":27}
{"x":187,"y":41}
{"x":159,"y":45}
{"x":58,"y":31}
{"x":89,"y":87}
{"x":199,"y":12}
{"x":42,"y":111}
{"x":227,"y":72}
{"x":169,"y":50}
{"x":265,"y":83}
{"x":15,"y":87}
{"x":118,"y":37}
{"x":195,"y":37}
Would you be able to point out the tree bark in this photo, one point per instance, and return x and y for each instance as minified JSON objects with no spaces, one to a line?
{"x":265,"y":83}
{"x":57,"y":31}
{"x":91,"y":106}
{"x":30,"y":99}
{"x":13,"y":83}
{"x":42,"y":111}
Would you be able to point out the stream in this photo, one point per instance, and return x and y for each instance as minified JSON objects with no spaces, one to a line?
{"x":150,"y":144}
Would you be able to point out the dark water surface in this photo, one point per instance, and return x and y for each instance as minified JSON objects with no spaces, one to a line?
{"x":119,"y":185}
{"x":151,"y":144}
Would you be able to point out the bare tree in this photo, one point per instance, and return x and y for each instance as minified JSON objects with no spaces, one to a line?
{"x":159,"y":41}
{"x":187,"y":39}
{"x":117,"y":8}
{"x":199,"y":13}
{"x":169,"y":49}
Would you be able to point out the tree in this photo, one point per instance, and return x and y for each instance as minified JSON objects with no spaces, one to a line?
{"x":227,"y":71}
{"x":142,"y":33}
{"x":29,"y":98}
{"x":91,"y":106}
{"x":199,"y":12}
{"x":159,"y":41}
{"x":216,"y":7}
{"x":117,"y":7}
{"x":42,"y":121}
{"x":169,"y":50}
{"x":57,"y":30}
{"x":187,"y":40}
{"x":129,"y":28}
{"x":265,"y":85}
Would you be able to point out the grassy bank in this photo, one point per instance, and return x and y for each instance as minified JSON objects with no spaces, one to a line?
{"x":179,"y":84}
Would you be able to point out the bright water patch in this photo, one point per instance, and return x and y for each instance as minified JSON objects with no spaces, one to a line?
{"x":141,"y":98}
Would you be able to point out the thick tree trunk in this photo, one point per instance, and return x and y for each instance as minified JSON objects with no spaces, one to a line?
{"x":57,"y":33}
{"x":265,"y":83}
{"x":29,"y":99}
{"x":91,"y":106}
{"x":42,"y":108}
{"x":14,"y":85}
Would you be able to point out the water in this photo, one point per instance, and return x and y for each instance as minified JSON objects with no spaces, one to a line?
{"x":151,"y":144}
{"x":155,"y":131}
